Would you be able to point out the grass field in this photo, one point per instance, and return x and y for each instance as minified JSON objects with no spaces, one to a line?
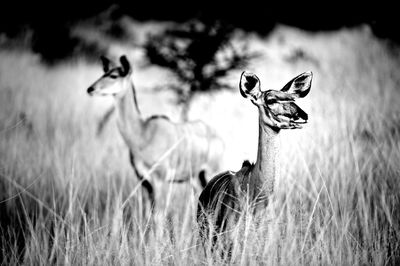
{"x":70,"y":197}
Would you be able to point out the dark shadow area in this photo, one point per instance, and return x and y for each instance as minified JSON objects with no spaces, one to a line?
{"x":51,"y":21}
{"x":60,"y":45}
{"x":252,"y":16}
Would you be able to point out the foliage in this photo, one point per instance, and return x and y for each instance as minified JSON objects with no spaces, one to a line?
{"x":200,"y":54}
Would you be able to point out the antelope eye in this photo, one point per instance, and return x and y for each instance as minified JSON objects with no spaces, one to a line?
{"x":113,"y":76}
{"x":269,"y":100}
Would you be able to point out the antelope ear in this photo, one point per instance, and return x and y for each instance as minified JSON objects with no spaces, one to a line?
{"x":107,"y":63}
{"x":299,"y":86}
{"x":249,"y":85}
{"x":126,"y":66}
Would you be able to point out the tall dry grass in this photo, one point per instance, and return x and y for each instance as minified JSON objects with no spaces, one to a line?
{"x":68,"y":197}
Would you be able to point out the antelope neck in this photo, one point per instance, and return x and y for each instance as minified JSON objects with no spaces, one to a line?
{"x":130,"y":122}
{"x":266,"y":167}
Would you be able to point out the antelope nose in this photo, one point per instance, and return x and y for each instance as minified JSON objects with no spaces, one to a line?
{"x":90,"y":90}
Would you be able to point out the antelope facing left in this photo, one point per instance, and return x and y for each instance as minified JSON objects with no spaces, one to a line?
{"x":159,"y":149}
{"x":229,"y":194}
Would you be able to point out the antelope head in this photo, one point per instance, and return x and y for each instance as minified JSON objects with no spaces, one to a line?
{"x":276,"y":107}
{"x":112,"y":82}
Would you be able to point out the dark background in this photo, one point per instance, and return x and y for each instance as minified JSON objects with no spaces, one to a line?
{"x":252,"y":16}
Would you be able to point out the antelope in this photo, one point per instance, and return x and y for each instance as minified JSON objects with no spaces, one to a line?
{"x":229,"y":194}
{"x":159,"y":149}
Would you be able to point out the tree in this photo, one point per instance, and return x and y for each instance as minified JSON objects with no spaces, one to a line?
{"x":199,"y":53}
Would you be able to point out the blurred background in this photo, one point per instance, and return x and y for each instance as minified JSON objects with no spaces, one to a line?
{"x":62,"y":171}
